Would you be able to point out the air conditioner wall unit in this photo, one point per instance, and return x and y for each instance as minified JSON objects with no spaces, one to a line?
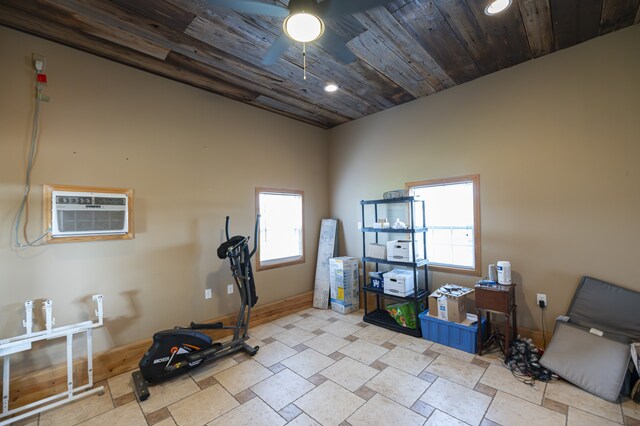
{"x":79,"y":213}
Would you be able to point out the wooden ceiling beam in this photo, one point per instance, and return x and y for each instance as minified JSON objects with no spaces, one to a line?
{"x":617,"y":14}
{"x":430,"y":29}
{"x":505,"y":33}
{"x":536,"y":16}
{"x":464,"y":25}
{"x":386,"y":28}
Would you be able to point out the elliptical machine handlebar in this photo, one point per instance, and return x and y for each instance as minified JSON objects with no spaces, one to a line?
{"x":255,"y":234}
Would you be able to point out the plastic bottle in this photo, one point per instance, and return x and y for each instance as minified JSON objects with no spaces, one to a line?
{"x":504,"y":272}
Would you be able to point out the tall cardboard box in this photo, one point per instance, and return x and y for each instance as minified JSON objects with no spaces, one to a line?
{"x":344,"y":294}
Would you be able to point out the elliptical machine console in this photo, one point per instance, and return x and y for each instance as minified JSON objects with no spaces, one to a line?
{"x":176,"y":351}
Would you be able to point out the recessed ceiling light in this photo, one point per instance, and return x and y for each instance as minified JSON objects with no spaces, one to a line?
{"x":331,"y":87}
{"x":496,"y":7}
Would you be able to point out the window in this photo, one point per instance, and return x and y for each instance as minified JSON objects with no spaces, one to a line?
{"x":281,"y":227}
{"x":452,"y":210}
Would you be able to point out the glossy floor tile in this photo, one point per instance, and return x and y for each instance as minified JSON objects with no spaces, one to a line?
{"x":318,"y":367}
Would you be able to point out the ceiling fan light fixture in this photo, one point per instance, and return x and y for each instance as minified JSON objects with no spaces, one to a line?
{"x":496,"y":7}
{"x":303,"y":27}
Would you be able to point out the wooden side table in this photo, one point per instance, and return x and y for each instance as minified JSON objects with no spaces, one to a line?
{"x":500,"y":299}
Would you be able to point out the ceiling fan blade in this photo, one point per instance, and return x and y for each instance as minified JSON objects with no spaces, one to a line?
{"x":332,"y":43}
{"x":277,"y":49}
{"x":252,"y":7}
{"x":339,"y":8}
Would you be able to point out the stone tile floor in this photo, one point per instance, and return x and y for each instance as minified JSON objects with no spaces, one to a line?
{"x":319,"y":367}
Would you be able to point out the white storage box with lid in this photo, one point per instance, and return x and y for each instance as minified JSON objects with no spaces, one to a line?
{"x":402,"y":250}
{"x":399,"y":282}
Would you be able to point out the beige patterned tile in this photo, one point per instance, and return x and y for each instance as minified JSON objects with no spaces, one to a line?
{"x":289,"y":319}
{"x":244,"y":396}
{"x":416,"y":344}
{"x":383,"y":411}
{"x":311,"y":323}
{"x":242,"y":376}
{"x":202,"y":407}
{"x":290,"y":412}
{"x":438,"y":418}
{"x":294,"y":337}
{"x":573,"y":396}
{"x":341,"y":328}
{"x":349,"y":373}
{"x":422,"y":408}
{"x":129,"y":414}
{"x":501,"y":378}
{"x":365,"y":393}
{"x":207,"y":383}
{"x":399,"y":386}
{"x":265,"y":330}
{"x":630,"y":408}
{"x":124,"y":399}
{"x":121,"y":384}
{"x":324,"y":314}
{"x":307,"y":363}
{"x":166,"y":422}
{"x":78,"y":411}
{"x":507,"y":409}
{"x":556,"y":406}
{"x":303,"y":420}
{"x":488,"y":390}
{"x":460,"y":372}
{"x":282,"y":389}
{"x":363,"y":351}
{"x":213,"y":368}
{"x":375,"y":334}
{"x":580,"y":418}
{"x":273,"y":353}
{"x":158,"y":416}
{"x":406,"y":360}
{"x":631,"y":421}
{"x":326,"y":343}
{"x":452,"y":352}
{"x":254,"y":412}
{"x":329,"y":403}
{"x":448,"y":397}
{"x":353,"y":317}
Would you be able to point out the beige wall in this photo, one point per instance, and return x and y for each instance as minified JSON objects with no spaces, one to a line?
{"x":191,"y":157}
{"x":556,"y":144}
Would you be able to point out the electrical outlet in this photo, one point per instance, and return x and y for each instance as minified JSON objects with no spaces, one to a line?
{"x":38,"y":58}
{"x":207,"y":293}
{"x":230,"y":289}
{"x":542,"y":298}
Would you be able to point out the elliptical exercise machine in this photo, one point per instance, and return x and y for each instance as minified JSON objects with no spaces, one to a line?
{"x":181,"y":349}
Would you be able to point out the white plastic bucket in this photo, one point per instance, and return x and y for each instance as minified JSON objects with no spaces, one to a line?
{"x":504,"y":272}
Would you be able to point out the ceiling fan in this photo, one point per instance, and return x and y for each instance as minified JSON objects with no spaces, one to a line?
{"x":304,"y":22}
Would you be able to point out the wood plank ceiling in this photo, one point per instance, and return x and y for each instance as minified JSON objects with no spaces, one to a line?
{"x":405,"y":50}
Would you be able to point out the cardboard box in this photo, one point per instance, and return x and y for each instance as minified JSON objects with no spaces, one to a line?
{"x":449,"y":303}
{"x":378,"y":251}
{"x":399,"y":282}
{"x":402,"y":250}
{"x":344,"y":293}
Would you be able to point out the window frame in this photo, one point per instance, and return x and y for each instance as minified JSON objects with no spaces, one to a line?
{"x":295,"y":260}
{"x":477,"y":243}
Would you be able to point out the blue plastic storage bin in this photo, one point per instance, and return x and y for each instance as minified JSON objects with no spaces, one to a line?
{"x":451,"y":334}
